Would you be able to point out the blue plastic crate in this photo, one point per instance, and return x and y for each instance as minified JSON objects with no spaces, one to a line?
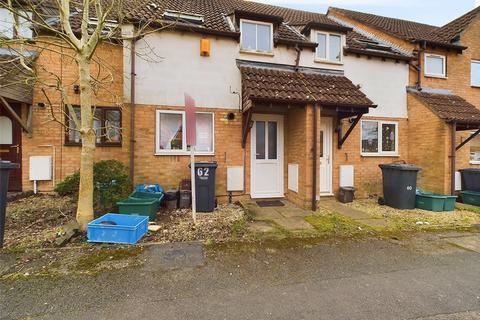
{"x":149,"y":188}
{"x":126,"y":230}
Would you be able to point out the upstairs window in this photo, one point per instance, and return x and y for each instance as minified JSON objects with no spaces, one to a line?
{"x":256,"y":36}
{"x":7,"y":21}
{"x":435,"y":65}
{"x":329,"y":47}
{"x":475,"y":73}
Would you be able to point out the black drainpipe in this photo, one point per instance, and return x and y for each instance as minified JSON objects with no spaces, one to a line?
{"x":132,"y":106}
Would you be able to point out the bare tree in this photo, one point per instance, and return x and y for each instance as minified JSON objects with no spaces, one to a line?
{"x":72,"y":29}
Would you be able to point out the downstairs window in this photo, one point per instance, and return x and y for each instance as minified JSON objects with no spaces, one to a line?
{"x":107,"y":122}
{"x":171,"y":138}
{"x":379,"y":138}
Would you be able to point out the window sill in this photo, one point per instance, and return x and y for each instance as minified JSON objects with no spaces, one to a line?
{"x":184,"y":153}
{"x":258,"y":53}
{"x":380,"y":155}
{"x":67,"y":144}
{"x":436,"y":76}
{"x":475,"y":162}
{"x":328,"y":62}
{"x":475,"y":86}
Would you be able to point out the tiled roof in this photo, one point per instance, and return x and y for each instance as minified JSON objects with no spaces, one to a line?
{"x":452,"y":30}
{"x":403,"y":29}
{"x":285,"y":85}
{"x":215,"y":14}
{"x":358,"y":43}
{"x":407,"y":30}
{"x":449,"y":107}
{"x":14,"y":78}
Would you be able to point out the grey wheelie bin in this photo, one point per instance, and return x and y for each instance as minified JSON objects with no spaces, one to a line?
{"x":205,"y":186}
{"x":5,"y":167}
{"x":399,"y":185}
{"x":470,"y":179}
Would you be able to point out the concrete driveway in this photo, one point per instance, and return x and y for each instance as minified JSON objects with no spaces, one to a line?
{"x":428,"y":277}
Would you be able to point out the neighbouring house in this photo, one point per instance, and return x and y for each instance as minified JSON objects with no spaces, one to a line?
{"x":443,"y":93}
{"x":291,"y":104}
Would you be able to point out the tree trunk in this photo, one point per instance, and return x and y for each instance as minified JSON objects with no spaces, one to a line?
{"x":87,"y":132}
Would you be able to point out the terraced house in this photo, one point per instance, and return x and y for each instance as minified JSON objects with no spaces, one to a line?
{"x":291,"y":104}
{"x":443,"y":92}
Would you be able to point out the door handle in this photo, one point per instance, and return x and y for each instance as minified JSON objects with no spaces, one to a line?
{"x":17,"y":147}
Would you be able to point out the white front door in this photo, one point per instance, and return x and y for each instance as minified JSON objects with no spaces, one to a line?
{"x":326,"y":156}
{"x":267,"y":156}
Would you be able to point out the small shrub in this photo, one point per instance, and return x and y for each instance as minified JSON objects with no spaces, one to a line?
{"x":104,"y":172}
{"x":69,"y":186}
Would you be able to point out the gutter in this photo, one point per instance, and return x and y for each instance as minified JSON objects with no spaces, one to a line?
{"x":378,"y":54}
{"x":440,"y":44}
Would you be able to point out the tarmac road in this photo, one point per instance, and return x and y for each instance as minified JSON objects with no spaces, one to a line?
{"x":424,"y":278}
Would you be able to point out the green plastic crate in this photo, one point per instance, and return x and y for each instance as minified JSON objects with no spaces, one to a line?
{"x":158,"y":196}
{"x":449,"y":203}
{"x":431,"y":202}
{"x":140,"y":207}
{"x":471,"y":197}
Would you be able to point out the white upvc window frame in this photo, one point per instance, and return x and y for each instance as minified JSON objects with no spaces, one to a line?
{"x":242,"y":49}
{"x":380,"y":152}
{"x":185,"y":151}
{"x":475,"y":85}
{"x":327,"y":47}
{"x":434,"y":75}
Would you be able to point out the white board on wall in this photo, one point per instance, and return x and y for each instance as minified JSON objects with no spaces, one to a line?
{"x":346,"y":176}
{"x":293,"y":177}
{"x":235,"y":178}
{"x":40,"y":168}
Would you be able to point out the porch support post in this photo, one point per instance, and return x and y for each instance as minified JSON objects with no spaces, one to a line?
{"x":476,"y":133}
{"x":14,"y":114}
{"x":314,"y":158}
{"x":246,"y":126}
{"x":453,"y":158}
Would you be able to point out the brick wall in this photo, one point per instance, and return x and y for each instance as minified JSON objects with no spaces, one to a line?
{"x":428,"y":143}
{"x":169,"y":170}
{"x":49,"y":133}
{"x":296,"y":151}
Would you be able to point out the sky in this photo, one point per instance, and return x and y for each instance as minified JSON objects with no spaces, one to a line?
{"x":434,"y":12}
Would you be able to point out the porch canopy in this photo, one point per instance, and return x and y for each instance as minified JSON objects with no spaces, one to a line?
{"x":284,"y":85}
{"x":449,"y":107}
{"x":455,"y":111}
{"x":16,"y":82}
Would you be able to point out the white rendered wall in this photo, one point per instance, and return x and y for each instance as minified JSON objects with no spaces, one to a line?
{"x":384,"y":82}
{"x":168,"y":64}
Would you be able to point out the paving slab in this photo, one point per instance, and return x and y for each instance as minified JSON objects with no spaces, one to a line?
{"x":266,"y":214}
{"x":289,"y":211}
{"x":293,"y":223}
{"x":261,"y":226}
{"x":471,"y":243}
{"x":344,"y":210}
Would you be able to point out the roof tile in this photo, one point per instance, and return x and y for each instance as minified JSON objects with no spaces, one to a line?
{"x":449,"y":107}
{"x":260,"y":83}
